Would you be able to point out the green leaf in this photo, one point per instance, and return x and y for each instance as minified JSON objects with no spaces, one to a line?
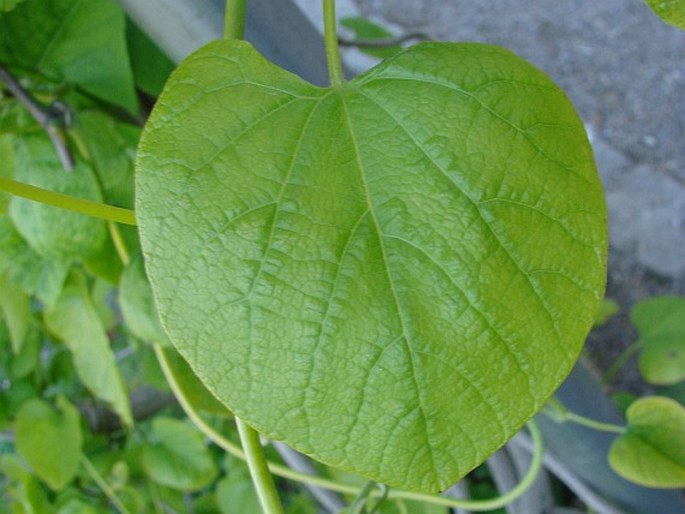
{"x":137,"y":305}
{"x":351,"y":270}
{"x":151,"y":67}
{"x":82,"y":42}
{"x":236,"y":493}
{"x":22,"y":364}
{"x":607,"y":309}
{"x":75,"y":321}
{"x":661,"y":324}
{"x":53,"y":232}
{"x":180,"y":459}
{"x":8,"y":5}
{"x":77,"y":506}
{"x":28,"y":495}
{"x":623,"y":400}
{"x":16,"y":307}
{"x":670,"y":11}
{"x":364,"y":28}
{"x":111,"y":147}
{"x":50,"y":440}
{"x":13,"y":399}
{"x":652,"y":451}
{"x":37,"y":275}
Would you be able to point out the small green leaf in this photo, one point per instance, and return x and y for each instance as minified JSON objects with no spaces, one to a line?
{"x":76,"y":506}
{"x":15,"y":304}
{"x":25,"y":362}
{"x":23,"y":488}
{"x":53,"y":232}
{"x":50,"y":440}
{"x":364,"y":28}
{"x":652,"y":451}
{"x":607,"y":309}
{"x":111,"y":147}
{"x":236,"y":493}
{"x":623,"y":400}
{"x":137,"y":305}
{"x":661,"y":324}
{"x":78,"y":41}
{"x":75,"y":321}
{"x":8,"y":5}
{"x":351,"y":269}
{"x":671,"y":11}
{"x":180,"y":459}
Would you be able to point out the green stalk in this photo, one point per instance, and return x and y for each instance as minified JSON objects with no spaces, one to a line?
{"x":558,"y":412}
{"x":234,"y":19}
{"x":119,"y":243}
{"x":335,"y":72}
{"x":597,"y":425}
{"x":256,"y":462}
{"x":103,"y":485}
{"x":620,"y":361}
{"x":71,"y":203}
{"x":359,"y":504}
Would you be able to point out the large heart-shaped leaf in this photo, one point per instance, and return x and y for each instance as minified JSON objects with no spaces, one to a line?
{"x":393,"y":275}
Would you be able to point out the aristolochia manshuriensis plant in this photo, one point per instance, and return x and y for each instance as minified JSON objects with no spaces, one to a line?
{"x":390,"y":274}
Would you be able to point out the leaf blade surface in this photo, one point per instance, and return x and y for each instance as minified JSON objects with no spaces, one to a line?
{"x":353,"y":270}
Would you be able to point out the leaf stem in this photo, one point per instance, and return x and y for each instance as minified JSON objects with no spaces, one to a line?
{"x":592,"y":423}
{"x":119,"y":243}
{"x":71,"y":203}
{"x":256,"y":462}
{"x":234,"y":19}
{"x":359,"y":504}
{"x":558,"y":412}
{"x":621,"y":360}
{"x":335,"y":72}
{"x":394,"y":494}
{"x":102,"y":484}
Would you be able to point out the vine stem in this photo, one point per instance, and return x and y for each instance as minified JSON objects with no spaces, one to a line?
{"x":558,"y":412}
{"x":102,"y":484}
{"x":259,"y":470}
{"x":592,"y":423}
{"x":621,"y":360}
{"x":394,"y":494}
{"x":119,"y":243}
{"x":234,"y":19}
{"x":335,"y":72}
{"x":71,"y":203}
{"x":359,"y":504}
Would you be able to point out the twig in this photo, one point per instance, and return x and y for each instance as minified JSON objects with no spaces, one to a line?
{"x":385,"y":42}
{"x":51,"y":118}
{"x":585,"y":492}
